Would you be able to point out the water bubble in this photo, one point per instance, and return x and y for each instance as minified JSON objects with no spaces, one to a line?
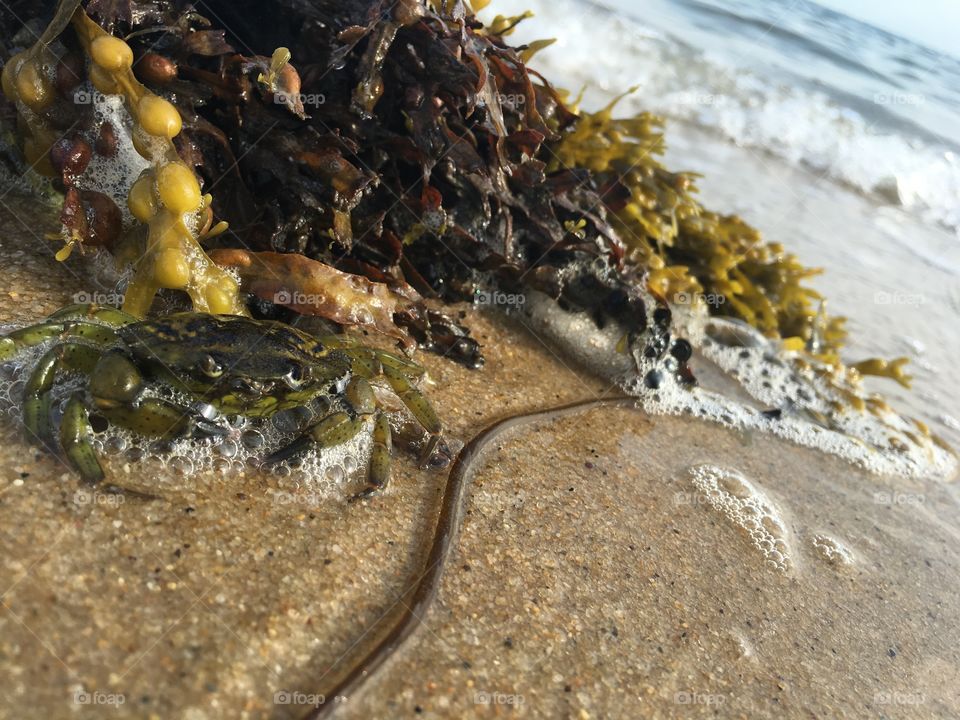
{"x":735,"y":485}
{"x":252,"y":439}
{"x":832,"y":550}
{"x":182,"y":464}
{"x":227,"y":448}
{"x":161,"y":447}
{"x":223,"y":466}
{"x":290,"y":421}
{"x":238,"y":422}
{"x":350,"y":464}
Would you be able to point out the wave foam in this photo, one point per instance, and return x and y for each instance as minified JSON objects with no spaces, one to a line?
{"x":860,"y":142}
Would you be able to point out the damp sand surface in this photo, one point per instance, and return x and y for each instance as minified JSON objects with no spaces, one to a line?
{"x":610,"y":564}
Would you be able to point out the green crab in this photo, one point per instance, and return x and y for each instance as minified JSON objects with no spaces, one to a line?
{"x":228,"y":365}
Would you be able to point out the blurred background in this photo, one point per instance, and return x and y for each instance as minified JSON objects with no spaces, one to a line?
{"x":833,"y":127}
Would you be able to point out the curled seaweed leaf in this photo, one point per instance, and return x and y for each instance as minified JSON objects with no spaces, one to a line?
{"x":314,"y":288}
{"x":893,"y":369}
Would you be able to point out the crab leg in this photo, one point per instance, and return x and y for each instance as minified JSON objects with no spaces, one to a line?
{"x":359,"y":394}
{"x":399,"y":373}
{"x":89,"y":311}
{"x":76,"y":351}
{"x":415,"y":401}
{"x":379,"y":473}
{"x":36,"y":398}
{"x":116,"y":386}
{"x":81,"y":321}
{"x":75,"y":431}
{"x":342,"y":426}
{"x":151,"y":417}
{"x":335,"y":429}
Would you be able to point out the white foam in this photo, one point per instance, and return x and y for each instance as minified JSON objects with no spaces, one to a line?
{"x":746,"y":507}
{"x":814,"y":410}
{"x":832,"y":551}
{"x":115,"y":175}
{"x":808,"y":410}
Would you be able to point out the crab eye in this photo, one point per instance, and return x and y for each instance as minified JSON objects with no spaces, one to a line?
{"x":210,"y":367}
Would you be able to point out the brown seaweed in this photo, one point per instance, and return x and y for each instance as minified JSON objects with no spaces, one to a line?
{"x":410,"y":144}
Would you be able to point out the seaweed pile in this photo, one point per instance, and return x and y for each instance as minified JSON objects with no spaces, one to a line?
{"x":369,"y":157}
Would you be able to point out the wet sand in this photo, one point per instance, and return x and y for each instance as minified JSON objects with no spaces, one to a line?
{"x":592,"y":577}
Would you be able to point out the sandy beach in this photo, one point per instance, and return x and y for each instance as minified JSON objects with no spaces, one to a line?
{"x":597,"y":574}
{"x":580,"y":557}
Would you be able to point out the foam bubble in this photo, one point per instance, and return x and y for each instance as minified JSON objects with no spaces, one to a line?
{"x":832,"y":551}
{"x":814,"y":408}
{"x":742,"y":503}
{"x":113,"y":176}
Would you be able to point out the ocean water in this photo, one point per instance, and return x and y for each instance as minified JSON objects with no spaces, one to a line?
{"x":831,"y":137}
{"x":818,"y":89}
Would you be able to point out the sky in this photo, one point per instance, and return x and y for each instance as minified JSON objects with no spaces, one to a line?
{"x":935,"y":23}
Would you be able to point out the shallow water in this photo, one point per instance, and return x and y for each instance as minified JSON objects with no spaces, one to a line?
{"x":620,"y":589}
{"x":895,"y":278}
